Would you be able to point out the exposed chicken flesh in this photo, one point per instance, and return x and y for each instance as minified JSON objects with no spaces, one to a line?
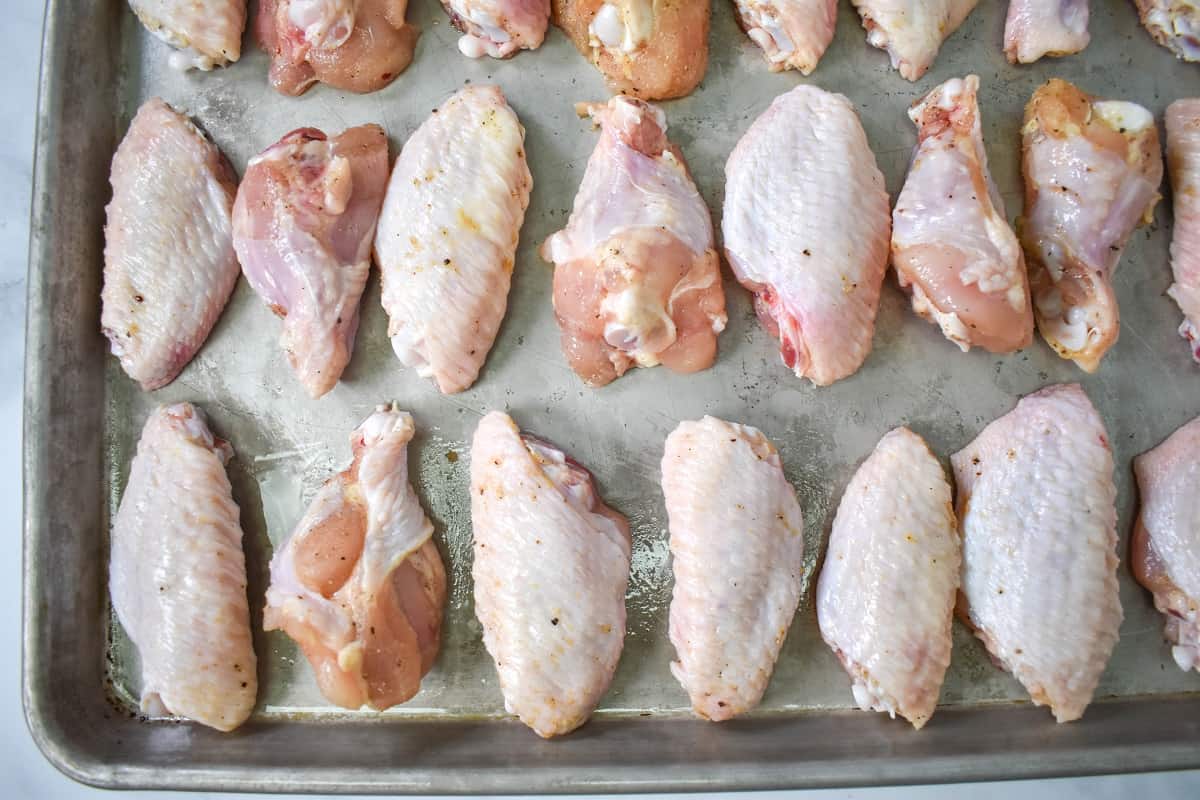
{"x":912,"y":31}
{"x":1037,"y":28}
{"x":952,"y":246}
{"x":1036,"y":506}
{"x":498,"y":28}
{"x":551,"y":568}
{"x":1165,"y":555}
{"x":177,"y":574}
{"x":303,"y":226}
{"x":652,"y":49}
{"x":1092,"y":169}
{"x":447,"y":235}
{"x":737,"y":549}
{"x":355,"y":45}
{"x":169,"y":264}
{"x":1183,"y":162}
{"x":206,"y":33}
{"x":360,"y":585}
{"x":806,"y":229}
{"x":793,"y":34}
{"x":1175,"y":24}
{"x":637,"y":280}
{"x":885,"y":599}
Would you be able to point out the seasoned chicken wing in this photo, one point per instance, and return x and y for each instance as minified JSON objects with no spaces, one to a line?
{"x":177,"y":574}
{"x":637,"y":279}
{"x":1183,"y":162}
{"x":551,"y":568}
{"x":498,"y":28}
{"x":1036,"y":28}
{"x":169,"y":263}
{"x":1036,"y":506}
{"x":793,"y":34}
{"x":1175,"y":24}
{"x":806,"y":229}
{"x":951,"y":244}
{"x":912,"y":31}
{"x":652,"y":49}
{"x":447,"y":235}
{"x":1092,"y":169}
{"x":885,"y":599}
{"x":359,"y":584}
{"x":207,"y":33}
{"x":1165,"y":556}
{"x":737,"y":549}
{"x":303,"y":226}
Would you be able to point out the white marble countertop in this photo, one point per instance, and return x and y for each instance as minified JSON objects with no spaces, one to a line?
{"x":26,"y":773}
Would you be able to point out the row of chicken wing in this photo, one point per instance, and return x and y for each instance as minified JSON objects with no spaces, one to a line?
{"x":1027,"y":555}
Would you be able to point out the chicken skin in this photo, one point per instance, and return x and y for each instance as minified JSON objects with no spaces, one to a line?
{"x":1183,"y":162}
{"x":885,"y":598}
{"x":1175,"y":24}
{"x":1092,"y":169}
{"x":447,"y":235}
{"x":912,"y":31}
{"x":498,"y":28}
{"x":169,"y":263}
{"x":551,"y":568}
{"x":952,"y":246}
{"x":737,"y":549}
{"x":1036,"y":506}
{"x":793,"y":34}
{"x":177,"y":574}
{"x":1037,"y":28}
{"x":360,"y":585}
{"x":637,"y":279}
{"x":652,"y":49}
{"x":303,"y":226}
{"x":205,"y":33}
{"x":806,"y":230}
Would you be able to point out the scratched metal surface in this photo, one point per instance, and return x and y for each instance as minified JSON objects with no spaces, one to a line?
{"x":287,"y":444}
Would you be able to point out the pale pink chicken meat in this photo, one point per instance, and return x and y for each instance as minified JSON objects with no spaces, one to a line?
{"x":793,"y":34}
{"x":205,"y":33}
{"x":652,"y":49}
{"x":354,"y":45}
{"x":806,"y":230}
{"x":1175,"y":24}
{"x":1092,"y":170}
{"x":912,"y":31}
{"x":177,"y":574}
{"x":637,"y":278}
{"x":359,"y":585}
{"x":952,"y":246}
{"x":551,"y":568}
{"x":1037,"y":28}
{"x":303,"y":227}
{"x":169,"y":263}
{"x":885,"y":598}
{"x":498,"y":28}
{"x":1036,"y":507}
{"x":737,"y":550}
{"x":1183,"y":162}
{"x":447,"y":235}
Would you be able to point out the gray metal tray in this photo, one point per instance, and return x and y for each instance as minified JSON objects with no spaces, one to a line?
{"x":82,"y":417}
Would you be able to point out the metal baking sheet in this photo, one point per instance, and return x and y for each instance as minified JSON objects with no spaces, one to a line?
{"x":83,"y":417}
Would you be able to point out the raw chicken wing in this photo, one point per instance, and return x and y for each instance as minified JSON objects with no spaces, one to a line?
{"x":951,"y":243}
{"x":177,"y":574}
{"x":359,"y":585}
{"x":551,"y":568}
{"x":737,"y":549}
{"x":1037,"y":28}
{"x":498,"y":28}
{"x":793,"y":34}
{"x":806,"y":229}
{"x":652,"y":49}
{"x":169,"y":264}
{"x":447,"y":235}
{"x":1036,"y":508}
{"x":1183,"y":162}
{"x":1165,"y":556}
{"x":911,"y":31}
{"x":207,"y":33}
{"x":303,"y":226}
{"x":1092,"y":169}
{"x":1175,"y":24}
{"x":355,"y":45}
{"x":637,"y":279}
{"x":885,"y":599}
